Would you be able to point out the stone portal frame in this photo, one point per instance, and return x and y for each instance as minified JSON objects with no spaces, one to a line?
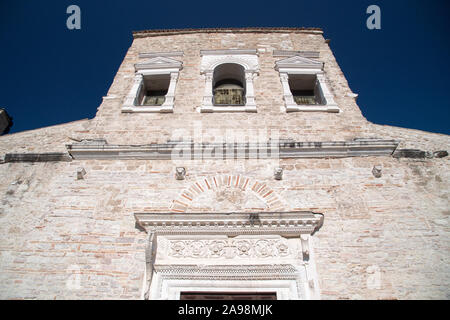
{"x":298,"y":65}
{"x":230,"y":252}
{"x":211,"y":59}
{"x":155,"y":66}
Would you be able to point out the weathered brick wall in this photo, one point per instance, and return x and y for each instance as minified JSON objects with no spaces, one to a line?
{"x":54,"y":226}
{"x":49,"y":139}
{"x":67,"y":238}
{"x":120,"y":128}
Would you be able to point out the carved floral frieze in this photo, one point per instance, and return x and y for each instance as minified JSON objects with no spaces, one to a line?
{"x":229,"y":248}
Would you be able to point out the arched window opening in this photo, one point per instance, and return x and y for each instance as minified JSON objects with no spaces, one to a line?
{"x":229,"y":92}
{"x":228,"y":85}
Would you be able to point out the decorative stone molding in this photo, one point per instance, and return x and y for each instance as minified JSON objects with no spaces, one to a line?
{"x":158,"y":63}
{"x":290,"y":286}
{"x":236,"y":182}
{"x":37,"y":157}
{"x":89,"y":149}
{"x":301,"y":65}
{"x":152,"y":67}
{"x":227,"y":249}
{"x":228,"y":272}
{"x":211,"y":59}
{"x":230,"y":248}
{"x":281,"y":223}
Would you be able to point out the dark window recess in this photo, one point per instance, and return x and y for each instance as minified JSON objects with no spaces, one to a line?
{"x":304,"y":97}
{"x":229,"y":92}
{"x":154,"y":98}
{"x":228,"y":296}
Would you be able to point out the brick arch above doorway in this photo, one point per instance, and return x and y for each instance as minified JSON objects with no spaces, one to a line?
{"x":272,"y":201}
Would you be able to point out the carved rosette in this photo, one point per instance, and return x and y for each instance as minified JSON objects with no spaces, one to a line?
{"x":229,"y":249}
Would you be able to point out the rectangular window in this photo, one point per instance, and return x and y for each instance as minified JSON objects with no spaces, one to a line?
{"x":154,"y":90}
{"x":305,"y":89}
{"x":154,"y":98}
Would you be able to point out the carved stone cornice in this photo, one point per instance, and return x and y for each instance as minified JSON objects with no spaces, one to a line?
{"x":270,"y":150}
{"x":279,"y":223}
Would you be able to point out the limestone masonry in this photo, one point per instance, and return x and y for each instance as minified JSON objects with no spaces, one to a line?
{"x":286,"y":190}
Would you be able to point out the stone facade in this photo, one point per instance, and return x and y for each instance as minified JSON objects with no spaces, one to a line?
{"x":80,"y":227}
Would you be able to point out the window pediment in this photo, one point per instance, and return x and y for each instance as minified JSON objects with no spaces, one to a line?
{"x":159,"y":63}
{"x":299,"y":62}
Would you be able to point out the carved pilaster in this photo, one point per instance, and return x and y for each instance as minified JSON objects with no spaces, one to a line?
{"x":170,"y":96}
{"x":131,"y":98}
{"x":208,"y":95}
{"x":250,"y":91}
{"x":288,"y":98}
{"x":150,"y":254}
{"x":305,"y":246}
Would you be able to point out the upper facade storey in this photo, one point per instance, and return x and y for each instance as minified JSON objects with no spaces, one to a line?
{"x":248,"y":70}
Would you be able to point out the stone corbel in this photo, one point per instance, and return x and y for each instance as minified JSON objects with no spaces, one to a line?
{"x":150,"y":255}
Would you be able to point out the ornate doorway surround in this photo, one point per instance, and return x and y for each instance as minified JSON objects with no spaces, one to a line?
{"x":230,"y":252}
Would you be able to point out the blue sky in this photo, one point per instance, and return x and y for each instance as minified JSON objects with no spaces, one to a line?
{"x":52,"y":75}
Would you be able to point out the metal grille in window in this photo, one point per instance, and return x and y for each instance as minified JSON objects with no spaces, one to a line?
{"x":305,"y":100}
{"x":304,"y":97}
{"x":154,"y":98}
{"x":229,"y":94}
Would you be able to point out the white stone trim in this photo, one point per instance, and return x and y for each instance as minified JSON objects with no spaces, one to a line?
{"x":154,"y":66}
{"x":166,"y":289}
{"x":100,"y":149}
{"x":302,"y":65}
{"x":230,"y":252}
{"x":211,"y":59}
{"x":282,"y":223}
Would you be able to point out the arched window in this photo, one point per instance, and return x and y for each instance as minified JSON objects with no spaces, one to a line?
{"x":228,"y":85}
{"x":229,"y":92}
{"x":229,"y":76}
